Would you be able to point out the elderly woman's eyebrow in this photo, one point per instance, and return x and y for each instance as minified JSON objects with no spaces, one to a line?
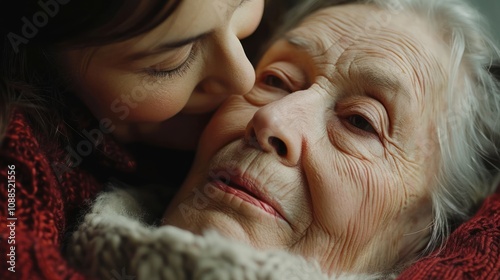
{"x":387,"y":81}
{"x":299,"y":42}
{"x":387,"y":86}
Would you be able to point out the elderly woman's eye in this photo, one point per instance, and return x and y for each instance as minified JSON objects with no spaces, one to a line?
{"x":276,"y":82}
{"x":360,"y":122}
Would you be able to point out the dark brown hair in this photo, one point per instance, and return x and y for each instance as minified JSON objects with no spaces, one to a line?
{"x":31,"y":30}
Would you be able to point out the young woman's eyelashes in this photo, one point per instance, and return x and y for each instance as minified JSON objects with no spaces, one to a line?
{"x":161,"y":71}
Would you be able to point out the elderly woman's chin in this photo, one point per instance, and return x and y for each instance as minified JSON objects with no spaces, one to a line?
{"x":236,"y":220}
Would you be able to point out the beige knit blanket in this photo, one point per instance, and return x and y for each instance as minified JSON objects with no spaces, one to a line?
{"x":116,"y":241}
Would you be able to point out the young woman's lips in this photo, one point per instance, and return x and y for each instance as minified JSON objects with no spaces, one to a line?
{"x":247,"y":191}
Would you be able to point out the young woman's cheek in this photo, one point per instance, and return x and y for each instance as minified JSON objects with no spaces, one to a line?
{"x":133,"y":98}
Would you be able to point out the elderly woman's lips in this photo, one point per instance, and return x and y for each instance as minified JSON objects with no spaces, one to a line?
{"x":247,"y":192}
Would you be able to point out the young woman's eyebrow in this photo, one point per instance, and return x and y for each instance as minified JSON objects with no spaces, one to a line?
{"x":168,"y":46}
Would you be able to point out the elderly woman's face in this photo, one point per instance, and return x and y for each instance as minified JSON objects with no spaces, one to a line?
{"x":332,"y":155}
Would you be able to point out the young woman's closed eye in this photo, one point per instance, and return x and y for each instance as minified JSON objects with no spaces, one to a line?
{"x":175,"y":67}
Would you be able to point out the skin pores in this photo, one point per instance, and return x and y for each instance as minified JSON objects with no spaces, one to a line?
{"x":333,"y":154}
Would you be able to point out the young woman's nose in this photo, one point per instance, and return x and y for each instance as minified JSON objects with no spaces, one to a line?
{"x":281,"y":127}
{"x":231,"y":71}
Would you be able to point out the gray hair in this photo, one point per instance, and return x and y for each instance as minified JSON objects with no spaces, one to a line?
{"x":468,"y":131}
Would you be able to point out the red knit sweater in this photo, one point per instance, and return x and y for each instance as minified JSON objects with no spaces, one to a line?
{"x":45,"y":207}
{"x":472,"y":251}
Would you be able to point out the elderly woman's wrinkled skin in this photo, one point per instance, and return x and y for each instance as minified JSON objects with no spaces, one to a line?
{"x":334,"y":146}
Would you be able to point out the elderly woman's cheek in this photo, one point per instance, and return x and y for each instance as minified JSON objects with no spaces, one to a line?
{"x":353,"y":144}
{"x":377,"y":186}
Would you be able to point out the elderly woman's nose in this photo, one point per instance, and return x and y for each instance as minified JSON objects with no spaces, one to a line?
{"x":274,"y":130}
{"x":231,"y":72}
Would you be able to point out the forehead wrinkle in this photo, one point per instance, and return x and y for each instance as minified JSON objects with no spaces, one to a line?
{"x":420,"y":60}
{"x":330,"y":31}
{"x":412,"y":62}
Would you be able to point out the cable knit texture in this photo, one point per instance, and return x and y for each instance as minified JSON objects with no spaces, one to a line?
{"x":45,"y":206}
{"x":472,"y":251}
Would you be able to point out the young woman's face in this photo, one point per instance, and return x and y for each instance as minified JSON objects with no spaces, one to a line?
{"x":190,"y":63}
